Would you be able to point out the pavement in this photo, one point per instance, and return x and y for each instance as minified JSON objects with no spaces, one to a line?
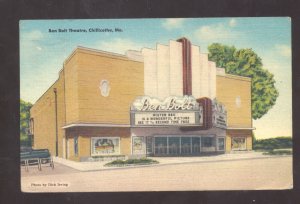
{"x":99,"y":165}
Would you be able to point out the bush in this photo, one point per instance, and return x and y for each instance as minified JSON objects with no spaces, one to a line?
{"x":141,"y":161}
{"x":273,"y":143}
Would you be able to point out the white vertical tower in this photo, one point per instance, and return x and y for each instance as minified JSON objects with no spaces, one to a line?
{"x":176,"y":82}
{"x":150,"y":72}
{"x":163,"y":71}
{"x":196,"y":72}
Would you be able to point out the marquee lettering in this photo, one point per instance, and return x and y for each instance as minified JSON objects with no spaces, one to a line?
{"x":171,"y":103}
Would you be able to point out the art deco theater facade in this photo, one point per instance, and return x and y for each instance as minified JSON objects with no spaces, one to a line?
{"x":168,"y":101}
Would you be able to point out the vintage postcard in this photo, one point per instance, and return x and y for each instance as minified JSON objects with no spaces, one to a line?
{"x":178,"y":104}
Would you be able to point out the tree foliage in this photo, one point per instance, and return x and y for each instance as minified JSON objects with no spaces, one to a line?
{"x":245,"y":62}
{"x":24,"y":118}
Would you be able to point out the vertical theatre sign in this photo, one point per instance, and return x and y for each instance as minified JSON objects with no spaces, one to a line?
{"x":173,"y":111}
{"x":219,"y":115}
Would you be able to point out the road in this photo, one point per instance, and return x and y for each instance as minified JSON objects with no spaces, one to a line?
{"x":262,"y":173}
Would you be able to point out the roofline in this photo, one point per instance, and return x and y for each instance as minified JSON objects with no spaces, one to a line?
{"x":232,"y":76}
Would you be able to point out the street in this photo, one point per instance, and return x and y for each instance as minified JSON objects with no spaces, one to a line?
{"x":250,"y":174}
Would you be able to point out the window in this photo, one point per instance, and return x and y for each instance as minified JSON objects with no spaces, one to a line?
{"x":31,"y":126}
{"x":185,"y":145}
{"x":138,"y":145}
{"x":207,"y":142}
{"x":174,"y":145}
{"x":161,"y":145}
{"x":105,"y":146}
{"x":238,"y":143}
{"x":196,"y":145}
{"x":76,"y":146}
{"x":221,"y":144}
{"x":149,"y":141}
{"x":104,"y":88}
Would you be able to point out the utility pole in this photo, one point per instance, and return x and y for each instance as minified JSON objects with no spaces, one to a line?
{"x":56,"y":128}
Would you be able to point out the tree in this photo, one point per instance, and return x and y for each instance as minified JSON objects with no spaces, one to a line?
{"x":24,"y":118}
{"x":245,"y":62}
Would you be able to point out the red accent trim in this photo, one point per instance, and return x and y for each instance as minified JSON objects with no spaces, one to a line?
{"x":186,"y":66}
{"x":207,"y":112}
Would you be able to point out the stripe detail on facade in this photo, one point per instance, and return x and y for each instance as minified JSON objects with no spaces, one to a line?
{"x":186,"y":66}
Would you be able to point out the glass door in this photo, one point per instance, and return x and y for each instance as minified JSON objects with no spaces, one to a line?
{"x":174,"y":145}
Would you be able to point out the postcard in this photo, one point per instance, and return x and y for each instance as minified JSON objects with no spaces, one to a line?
{"x":174,"y":104}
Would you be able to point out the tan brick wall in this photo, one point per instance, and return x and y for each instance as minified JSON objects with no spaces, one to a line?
{"x":228,"y":143}
{"x":43,"y":113}
{"x":126,"y":79}
{"x":84,"y":144}
{"x":71,"y":89}
{"x":249,"y":143}
{"x":230,"y":87}
{"x":126,"y":145}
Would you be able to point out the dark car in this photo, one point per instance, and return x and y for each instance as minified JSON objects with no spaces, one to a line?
{"x":35,"y":156}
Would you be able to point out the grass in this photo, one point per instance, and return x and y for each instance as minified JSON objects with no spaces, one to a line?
{"x":132,"y":162}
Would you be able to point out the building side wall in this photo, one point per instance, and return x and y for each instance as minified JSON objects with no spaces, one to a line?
{"x":126,"y":80}
{"x":71,"y":87}
{"x":43,"y":114}
{"x":235,"y":94}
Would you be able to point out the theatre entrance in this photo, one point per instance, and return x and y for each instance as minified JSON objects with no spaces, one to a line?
{"x":180,"y":145}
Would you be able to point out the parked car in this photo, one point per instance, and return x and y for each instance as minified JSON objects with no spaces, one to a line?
{"x":35,"y":156}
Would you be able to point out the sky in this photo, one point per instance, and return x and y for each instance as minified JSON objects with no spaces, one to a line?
{"x":42,"y":53}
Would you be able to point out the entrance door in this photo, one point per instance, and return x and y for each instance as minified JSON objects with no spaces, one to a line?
{"x":185,"y":145}
{"x":238,"y":143}
{"x":161,"y":145}
{"x":174,"y":145}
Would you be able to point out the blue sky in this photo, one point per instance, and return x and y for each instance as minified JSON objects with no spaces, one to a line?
{"x":42,"y":53}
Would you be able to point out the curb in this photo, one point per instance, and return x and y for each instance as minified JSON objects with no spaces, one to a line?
{"x":174,"y":163}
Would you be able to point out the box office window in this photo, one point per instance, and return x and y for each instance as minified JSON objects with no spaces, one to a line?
{"x":105,"y":146}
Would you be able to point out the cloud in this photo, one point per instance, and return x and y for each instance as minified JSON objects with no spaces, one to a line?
{"x":118,"y":45}
{"x":30,"y":43}
{"x":232,"y":22}
{"x":283,"y":50}
{"x":173,"y":23}
{"x":215,"y":32}
{"x":34,"y":35}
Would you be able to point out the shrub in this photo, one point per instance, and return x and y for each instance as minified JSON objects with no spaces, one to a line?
{"x":141,"y":161}
{"x":273,"y":143}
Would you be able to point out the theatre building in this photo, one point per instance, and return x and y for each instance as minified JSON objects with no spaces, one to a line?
{"x":167,"y":101}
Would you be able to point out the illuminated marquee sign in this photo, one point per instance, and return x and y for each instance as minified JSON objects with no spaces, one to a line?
{"x":173,"y":111}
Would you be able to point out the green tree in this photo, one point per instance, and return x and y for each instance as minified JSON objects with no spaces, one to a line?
{"x":24,"y":118}
{"x":245,"y":62}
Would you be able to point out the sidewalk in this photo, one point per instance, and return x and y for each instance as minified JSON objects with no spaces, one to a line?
{"x":94,"y":166}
